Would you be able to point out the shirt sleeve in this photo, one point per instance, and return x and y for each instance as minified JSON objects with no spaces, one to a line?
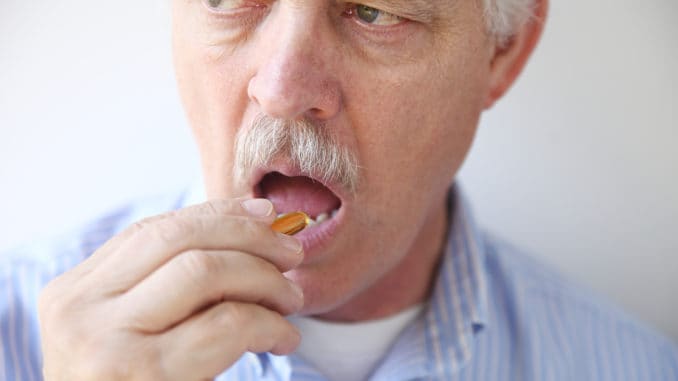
{"x":20,"y":356}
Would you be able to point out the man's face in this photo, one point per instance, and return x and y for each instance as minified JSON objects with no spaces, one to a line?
{"x":399,"y":83}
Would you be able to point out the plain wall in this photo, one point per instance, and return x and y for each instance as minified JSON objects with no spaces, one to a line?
{"x":577,"y":164}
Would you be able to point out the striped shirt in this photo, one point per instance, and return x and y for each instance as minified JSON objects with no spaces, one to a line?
{"x":494,"y":314}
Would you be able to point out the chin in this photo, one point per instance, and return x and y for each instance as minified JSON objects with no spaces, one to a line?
{"x":323,"y":292}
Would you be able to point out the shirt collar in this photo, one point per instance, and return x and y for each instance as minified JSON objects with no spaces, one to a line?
{"x":441,"y":343}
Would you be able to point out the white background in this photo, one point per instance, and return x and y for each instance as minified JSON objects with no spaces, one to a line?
{"x":578,"y":164}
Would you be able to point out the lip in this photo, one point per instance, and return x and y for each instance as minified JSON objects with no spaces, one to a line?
{"x":317,"y":238}
{"x":313,"y":238}
{"x":291,"y":171}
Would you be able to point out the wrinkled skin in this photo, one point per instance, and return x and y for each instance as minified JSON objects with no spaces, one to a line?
{"x":405,"y":97}
{"x":183,"y":295}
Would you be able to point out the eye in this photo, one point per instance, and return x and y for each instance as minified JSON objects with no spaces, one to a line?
{"x":373,"y":16}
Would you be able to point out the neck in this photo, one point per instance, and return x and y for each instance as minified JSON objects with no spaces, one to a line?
{"x":410,"y":282}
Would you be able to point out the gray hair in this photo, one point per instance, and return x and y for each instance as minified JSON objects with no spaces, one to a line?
{"x":505,"y":17}
{"x":309,"y":147}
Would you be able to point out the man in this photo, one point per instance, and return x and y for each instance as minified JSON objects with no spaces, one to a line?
{"x":359,"y":115}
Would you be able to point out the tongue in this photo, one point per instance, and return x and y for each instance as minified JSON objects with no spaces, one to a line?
{"x":290,"y":194}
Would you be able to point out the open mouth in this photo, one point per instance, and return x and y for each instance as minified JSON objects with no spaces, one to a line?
{"x":300,"y":193}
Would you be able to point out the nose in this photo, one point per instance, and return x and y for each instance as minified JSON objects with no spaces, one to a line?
{"x":293,"y":79}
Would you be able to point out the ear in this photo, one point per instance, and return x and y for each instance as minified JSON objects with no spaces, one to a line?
{"x":509,"y":59}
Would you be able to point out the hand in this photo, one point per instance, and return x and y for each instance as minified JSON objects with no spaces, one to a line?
{"x":180,"y":296}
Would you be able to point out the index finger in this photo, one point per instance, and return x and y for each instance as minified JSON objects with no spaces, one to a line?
{"x":147,"y":244}
{"x":255,"y":208}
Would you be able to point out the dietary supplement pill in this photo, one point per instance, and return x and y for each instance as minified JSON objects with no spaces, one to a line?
{"x":291,"y":223}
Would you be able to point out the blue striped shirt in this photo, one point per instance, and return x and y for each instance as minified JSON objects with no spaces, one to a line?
{"x":494,"y":314}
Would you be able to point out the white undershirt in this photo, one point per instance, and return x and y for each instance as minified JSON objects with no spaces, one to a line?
{"x":350,"y":351}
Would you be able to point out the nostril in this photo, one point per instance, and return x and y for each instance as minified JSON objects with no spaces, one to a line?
{"x":251,"y":93}
{"x":289,"y":96}
{"x":323,"y":113}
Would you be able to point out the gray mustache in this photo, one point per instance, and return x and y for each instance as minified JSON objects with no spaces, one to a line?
{"x":307,"y":146}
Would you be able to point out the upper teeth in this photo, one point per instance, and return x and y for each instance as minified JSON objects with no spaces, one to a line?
{"x":322,"y":217}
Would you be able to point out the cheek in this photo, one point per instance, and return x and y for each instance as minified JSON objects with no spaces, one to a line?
{"x":209,"y":96}
{"x":214,"y":96}
{"x":417,"y":131}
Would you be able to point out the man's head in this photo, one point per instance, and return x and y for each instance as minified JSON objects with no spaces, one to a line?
{"x":362,"y":112}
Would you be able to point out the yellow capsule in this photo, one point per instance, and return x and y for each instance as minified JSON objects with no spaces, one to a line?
{"x":291,"y":223}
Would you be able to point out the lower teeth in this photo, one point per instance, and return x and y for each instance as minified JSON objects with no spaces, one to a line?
{"x":322,"y":218}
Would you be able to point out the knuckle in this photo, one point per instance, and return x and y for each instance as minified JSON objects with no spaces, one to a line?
{"x":172,"y":230}
{"x":214,"y":207}
{"x":262,"y":266}
{"x":90,"y":341}
{"x":211,"y":207}
{"x":229,"y":316}
{"x":198,"y":265}
{"x":149,"y":221}
{"x":53,"y":305}
{"x":254,"y":229}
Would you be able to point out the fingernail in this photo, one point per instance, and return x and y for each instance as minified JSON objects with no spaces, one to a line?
{"x":258,"y":207}
{"x":297,"y":289}
{"x":290,"y":242}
